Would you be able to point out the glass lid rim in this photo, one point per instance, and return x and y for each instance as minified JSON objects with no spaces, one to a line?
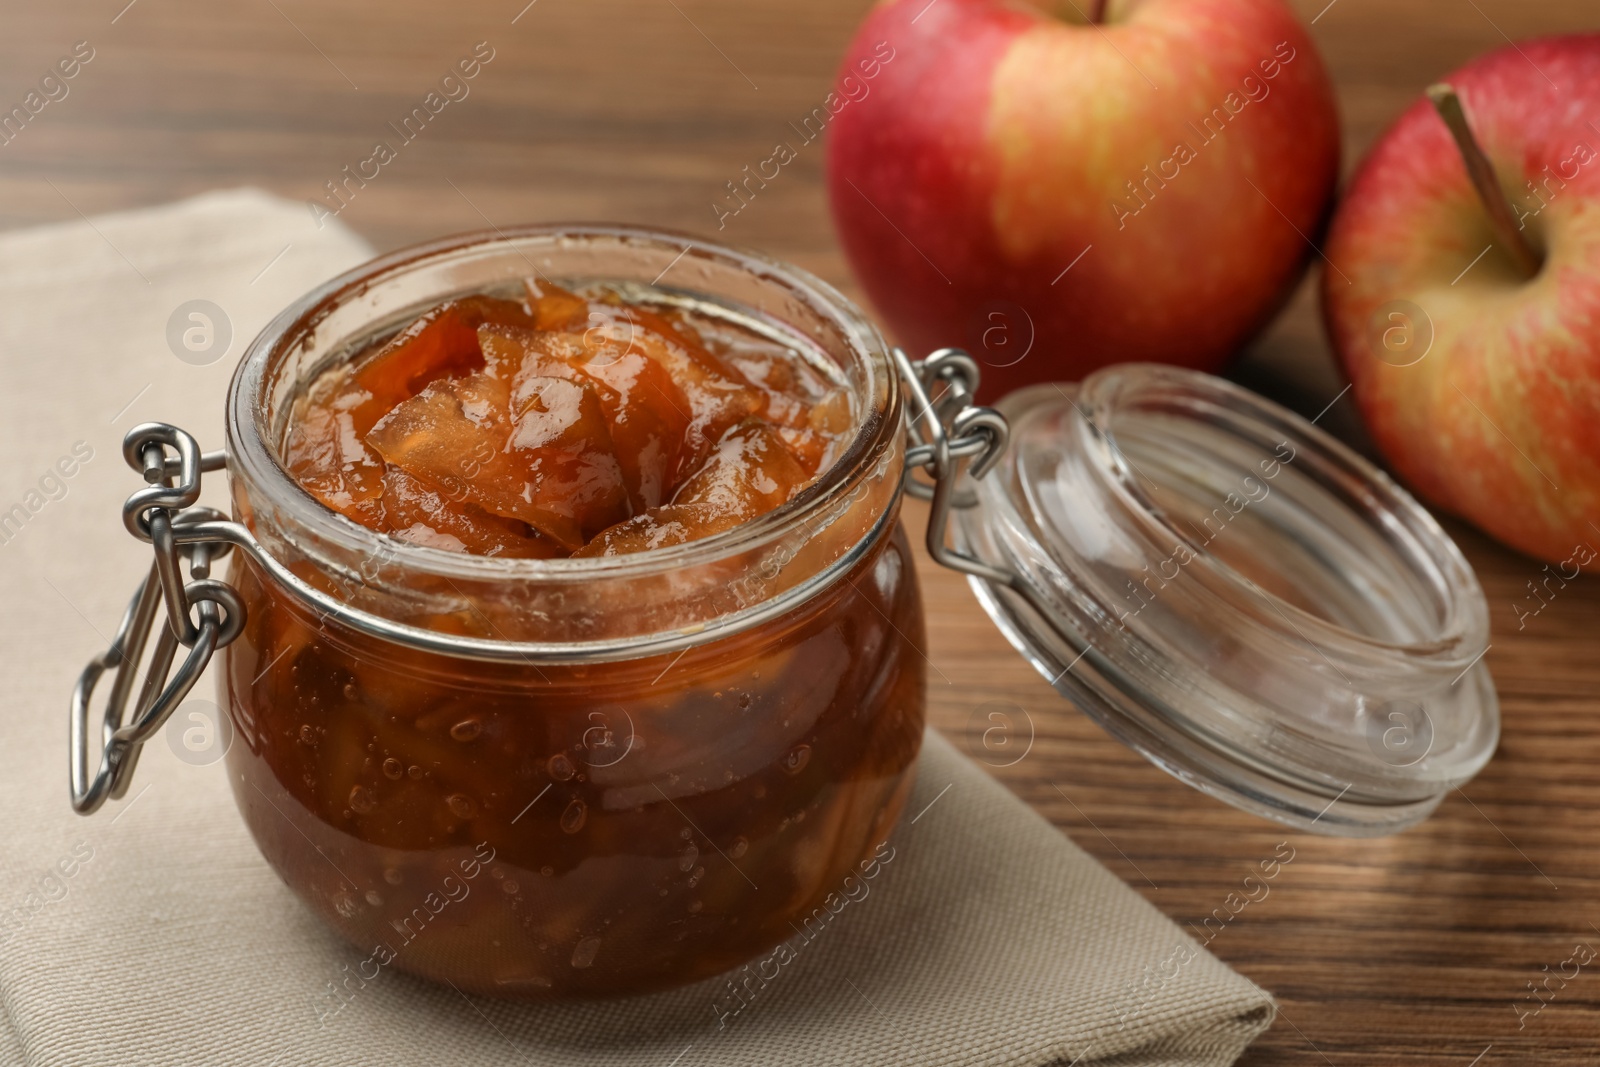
{"x":1282,"y":794}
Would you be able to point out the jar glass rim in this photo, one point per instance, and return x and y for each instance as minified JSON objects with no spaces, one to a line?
{"x":253,"y":453}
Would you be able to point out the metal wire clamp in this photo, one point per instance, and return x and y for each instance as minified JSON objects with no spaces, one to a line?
{"x":946,"y":429}
{"x":202,"y":615}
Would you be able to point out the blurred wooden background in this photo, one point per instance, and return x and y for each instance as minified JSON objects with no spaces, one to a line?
{"x":1416,"y":949}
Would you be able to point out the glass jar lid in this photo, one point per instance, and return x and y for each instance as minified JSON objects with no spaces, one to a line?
{"x":1235,"y":594}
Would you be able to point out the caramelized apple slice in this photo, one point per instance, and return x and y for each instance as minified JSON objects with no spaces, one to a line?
{"x":442,"y":343}
{"x":554,"y":308}
{"x":809,"y":448}
{"x":790,"y":385}
{"x":644,"y":410}
{"x":832,"y":414}
{"x":422,"y":515}
{"x":559,"y":435}
{"x":512,"y":350}
{"x":453,"y":437}
{"x":329,"y":459}
{"x":716,"y":396}
{"x":751,"y":472}
{"x":818,"y":440}
{"x":649,"y":421}
{"x":660,"y":527}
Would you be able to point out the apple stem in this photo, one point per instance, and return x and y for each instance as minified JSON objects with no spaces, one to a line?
{"x":1510,"y":236}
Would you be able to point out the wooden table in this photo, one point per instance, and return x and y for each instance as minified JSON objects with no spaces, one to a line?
{"x":1414,"y":949}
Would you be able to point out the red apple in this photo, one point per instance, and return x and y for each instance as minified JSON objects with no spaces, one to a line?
{"x":1055,"y":195}
{"x":1481,"y":385}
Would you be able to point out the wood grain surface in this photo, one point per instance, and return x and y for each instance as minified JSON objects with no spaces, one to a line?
{"x":1413,"y":949}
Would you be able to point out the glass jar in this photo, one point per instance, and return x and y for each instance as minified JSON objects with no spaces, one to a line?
{"x":549,"y":778}
{"x":685,"y":751}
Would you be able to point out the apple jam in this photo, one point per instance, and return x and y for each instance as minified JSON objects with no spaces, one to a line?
{"x":557,"y":426}
{"x":548,"y":467}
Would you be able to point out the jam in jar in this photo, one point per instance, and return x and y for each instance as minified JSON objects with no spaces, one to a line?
{"x":553,"y":425}
{"x":638,"y":682}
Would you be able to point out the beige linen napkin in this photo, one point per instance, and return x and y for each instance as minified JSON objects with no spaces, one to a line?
{"x":153,"y":932}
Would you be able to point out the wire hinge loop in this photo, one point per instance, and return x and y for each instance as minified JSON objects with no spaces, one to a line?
{"x":202,"y":614}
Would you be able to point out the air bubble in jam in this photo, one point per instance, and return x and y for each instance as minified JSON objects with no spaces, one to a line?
{"x":461,"y":805}
{"x":393,"y":769}
{"x":466,"y":730}
{"x":796,"y":760}
{"x":361,"y":801}
{"x":573,"y":818}
{"x":687,"y":857}
{"x":585,"y":952}
{"x":560,"y":767}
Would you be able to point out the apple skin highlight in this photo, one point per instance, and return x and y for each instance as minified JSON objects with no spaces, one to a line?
{"x":1499,"y":421}
{"x":1016,"y":182}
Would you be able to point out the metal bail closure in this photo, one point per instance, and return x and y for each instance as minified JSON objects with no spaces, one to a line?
{"x":947,"y":429}
{"x":955,"y":442}
{"x":201,"y":615}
